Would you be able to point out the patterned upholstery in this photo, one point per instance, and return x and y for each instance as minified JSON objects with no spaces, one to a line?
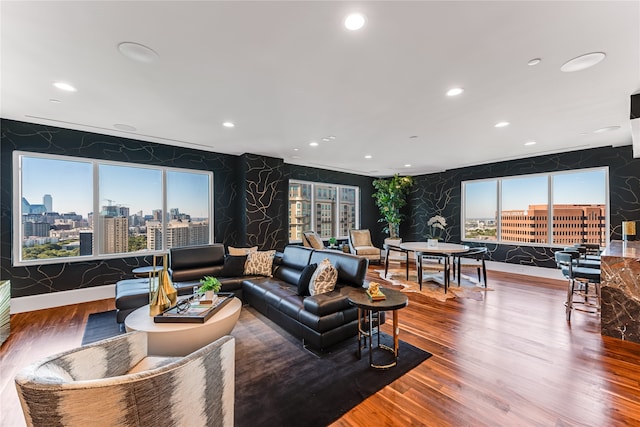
{"x":113,"y":383}
{"x":311,"y":239}
{"x":361,"y":245}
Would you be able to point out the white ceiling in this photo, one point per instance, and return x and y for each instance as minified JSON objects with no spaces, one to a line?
{"x":288,"y":73}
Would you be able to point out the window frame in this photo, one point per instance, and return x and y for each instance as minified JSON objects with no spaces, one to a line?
{"x":17,"y":235}
{"x":550,"y":207}
{"x":313,"y":217}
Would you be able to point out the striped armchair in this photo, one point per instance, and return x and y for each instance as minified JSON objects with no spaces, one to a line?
{"x":114,"y":382}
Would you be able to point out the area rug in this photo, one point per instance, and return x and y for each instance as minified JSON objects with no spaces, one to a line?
{"x":279,"y":383}
{"x":467,"y":289}
{"x":100,"y":326}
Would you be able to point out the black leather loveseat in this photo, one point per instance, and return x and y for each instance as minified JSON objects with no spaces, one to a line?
{"x":319,"y":321}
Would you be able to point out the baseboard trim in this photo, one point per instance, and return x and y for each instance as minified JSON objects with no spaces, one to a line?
{"x":58,"y":299}
{"x":527,"y":270}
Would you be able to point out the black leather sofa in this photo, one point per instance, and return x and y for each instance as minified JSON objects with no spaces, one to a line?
{"x":320,"y":321}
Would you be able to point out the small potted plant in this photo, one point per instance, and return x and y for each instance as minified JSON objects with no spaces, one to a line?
{"x":209,"y":286}
{"x":333,"y":242}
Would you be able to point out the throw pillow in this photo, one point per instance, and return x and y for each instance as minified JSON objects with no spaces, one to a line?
{"x":259,"y":263}
{"x":241,"y":251}
{"x":324,"y":278}
{"x":305,"y":279}
{"x":233,"y":265}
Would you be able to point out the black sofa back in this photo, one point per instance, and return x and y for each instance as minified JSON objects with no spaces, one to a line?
{"x":352,"y":269}
{"x":191,"y":263}
{"x":294,"y":260}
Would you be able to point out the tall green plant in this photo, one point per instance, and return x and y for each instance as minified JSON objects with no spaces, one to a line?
{"x":391,"y":196}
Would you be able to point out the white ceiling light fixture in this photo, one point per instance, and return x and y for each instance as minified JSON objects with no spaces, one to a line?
{"x":65,"y":86}
{"x":138,"y":52}
{"x":408,"y":165}
{"x":354,"y":22}
{"x":582,"y":62}
{"x":501,"y":124}
{"x":606,"y":129}
{"x":228,"y":124}
{"x":326,"y":139}
{"x":55,"y":101}
{"x":331,"y":137}
{"x":296,"y":149}
{"x":530,"y":143}
{"x":455,"y":91}
{"x":313,"y":144}
{"x":534,"y":61}
{"x":368,"y":156}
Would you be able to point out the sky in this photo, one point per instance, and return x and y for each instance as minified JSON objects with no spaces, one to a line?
{"x":70,"y":185}
{"x":518,"y":193}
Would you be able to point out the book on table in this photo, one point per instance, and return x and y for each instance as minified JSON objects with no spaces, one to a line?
{"x":188,"y":310}
{"x":378,"y":296}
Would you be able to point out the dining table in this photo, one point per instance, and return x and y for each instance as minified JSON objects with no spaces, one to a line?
{"x":441,"y":251}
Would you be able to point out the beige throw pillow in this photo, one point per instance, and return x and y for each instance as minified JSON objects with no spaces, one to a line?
{"x":259,"y":263}
{"x":241,"y":251}
{"x":324,"y":278}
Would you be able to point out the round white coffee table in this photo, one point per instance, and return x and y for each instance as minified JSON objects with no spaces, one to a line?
{"x":181,"y":339}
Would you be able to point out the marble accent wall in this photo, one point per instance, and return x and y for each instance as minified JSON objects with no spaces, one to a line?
{"x":620,"y":287}
{"x":42,"y":279}
{"x":440,"y":193}
{"x":265,"y":202}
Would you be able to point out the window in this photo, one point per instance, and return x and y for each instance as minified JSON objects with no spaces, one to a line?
{"x":74,"y":209}
{"x":558,"y":209}
{"x":329,"y":210}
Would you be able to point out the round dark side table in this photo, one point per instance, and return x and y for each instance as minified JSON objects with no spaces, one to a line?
{"x":394,"y":301}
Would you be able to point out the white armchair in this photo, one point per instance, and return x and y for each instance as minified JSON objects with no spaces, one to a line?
{"x":114,"y":383}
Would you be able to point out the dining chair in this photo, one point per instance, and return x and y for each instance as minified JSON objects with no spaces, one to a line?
{"x":473,"y":257}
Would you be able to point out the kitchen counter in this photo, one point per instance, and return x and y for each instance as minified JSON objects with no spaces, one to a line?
{"x":620,"y":284}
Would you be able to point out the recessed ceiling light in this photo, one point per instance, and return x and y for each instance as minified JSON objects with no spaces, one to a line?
{"x":326,"y":139}
{"x":137,"y":52}
{"x":530,"y":143}
{"x":295,"y":157}
{"x":296,"y":149}
{"x":368,"y":156}
{"x":124,"y":127}
{"x":408,"y":165}
{"x":606,"y":129}
{"x":65,"y":86}
{"x":534,"y":61}
{"x":455,"y":91}
{"x":413,"y":136}
{"x":313,"y":144}
{"x":355,"y":21}
{"x":228,"y":124}
{"x":331,"y":137}
{"x":582,"y":62}
{"x":55,"y":101}
{"x":501,"y":124}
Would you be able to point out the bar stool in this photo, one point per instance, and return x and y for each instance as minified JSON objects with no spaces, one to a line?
{"x":579,"y":279}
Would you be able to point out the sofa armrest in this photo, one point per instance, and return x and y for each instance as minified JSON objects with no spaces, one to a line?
{"x":323,"y":304}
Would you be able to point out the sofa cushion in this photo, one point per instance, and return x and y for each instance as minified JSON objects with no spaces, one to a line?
{"x":260,"y":263}
{"x":323,"y":279}
{"x":194,"y":262}
{"x":241,"y":251}
{"x":305,"y":279}
{"x":351,"y":268}
{"x":234,"y":265}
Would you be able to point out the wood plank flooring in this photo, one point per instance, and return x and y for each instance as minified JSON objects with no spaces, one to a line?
{"x":508,"y":360}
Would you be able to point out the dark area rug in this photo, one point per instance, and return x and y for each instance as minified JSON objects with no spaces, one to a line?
{"x":279,"y":383}
{"x":100,"y":326}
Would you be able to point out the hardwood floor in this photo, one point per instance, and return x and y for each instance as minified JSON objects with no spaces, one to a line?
{"x":508,"y":360}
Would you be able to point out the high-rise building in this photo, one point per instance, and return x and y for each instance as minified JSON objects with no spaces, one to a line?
{"x":299,"y":210}
{"x":47,"y":201}
{"x":86,"y":243}
{"x":179,"y":233}
{"x":35,"y":229}
{"x":115,"y":234}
